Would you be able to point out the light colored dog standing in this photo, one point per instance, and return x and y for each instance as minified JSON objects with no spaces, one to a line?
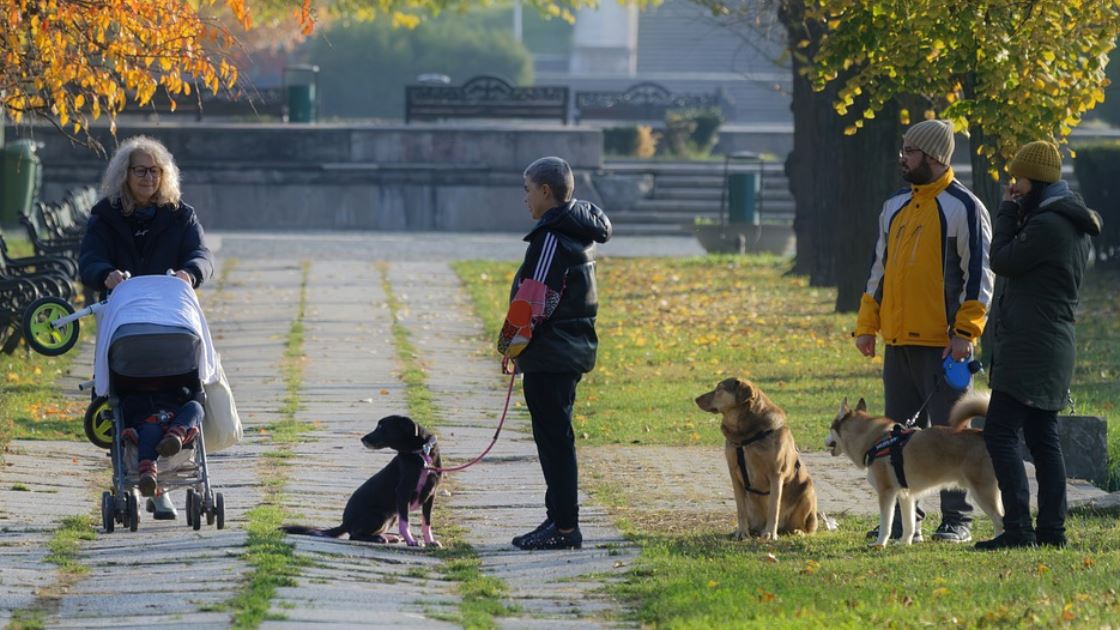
{"x":932,"y":459}
{"x":774,"y":493}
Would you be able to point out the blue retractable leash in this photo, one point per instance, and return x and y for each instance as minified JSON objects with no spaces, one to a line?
{"x":956,"y":374}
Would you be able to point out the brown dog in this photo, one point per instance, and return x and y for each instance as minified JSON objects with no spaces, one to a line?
{"x":773,"y":491}
{"x":931,"y":459}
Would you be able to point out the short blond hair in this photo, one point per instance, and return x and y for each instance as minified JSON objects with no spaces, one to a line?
{"x":114,"y":184}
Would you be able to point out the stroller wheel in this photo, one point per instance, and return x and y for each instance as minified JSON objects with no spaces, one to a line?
{"x":196,"y":512}
{"x":98,"y":423}
{"x":210,"y":511}
{"x":41,"y":336}
{"x":190,"y":507}
{"x":107,"y":512}
{"x":220,"y":510}
{"x":132,"y":512}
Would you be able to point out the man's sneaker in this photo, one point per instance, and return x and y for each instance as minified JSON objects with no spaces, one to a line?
{"x":1007,"y":541}
{"x":896,"y":533}
{"x":517,"y":540}
{"x":953,"y":532}
{"x":552,"y":538}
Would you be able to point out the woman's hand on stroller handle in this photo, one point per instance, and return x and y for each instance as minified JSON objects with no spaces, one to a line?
{"x":182,"y":275}
{"x":116,"y":277}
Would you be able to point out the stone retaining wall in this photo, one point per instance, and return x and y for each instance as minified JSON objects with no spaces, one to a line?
{"x":415,"y":177}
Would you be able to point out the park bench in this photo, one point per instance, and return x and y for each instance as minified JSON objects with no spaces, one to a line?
{"x":485,"y":97}
{"x":644,"y":101}
{"x":254,"y":103}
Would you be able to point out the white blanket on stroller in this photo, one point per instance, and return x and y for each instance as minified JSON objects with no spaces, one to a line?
{"x":164,"y":300}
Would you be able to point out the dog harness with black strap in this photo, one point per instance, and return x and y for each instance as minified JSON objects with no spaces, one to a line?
{"x":740,"y":455}
{"x":892,"y":445}
{"x":425,"y":454}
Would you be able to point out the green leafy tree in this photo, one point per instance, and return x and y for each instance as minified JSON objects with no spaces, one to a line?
{"x":1004,"y":71}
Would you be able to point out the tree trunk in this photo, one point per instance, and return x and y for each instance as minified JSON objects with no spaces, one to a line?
{"x":867,"y":173}
{"x":806,"y":189}
{"x":984,"y":187}
{"x":838,"y":182}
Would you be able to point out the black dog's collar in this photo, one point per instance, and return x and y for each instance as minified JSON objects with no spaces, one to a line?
{"x":426,"y":450}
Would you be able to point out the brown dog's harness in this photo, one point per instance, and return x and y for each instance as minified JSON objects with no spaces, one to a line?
{"x":892,"y":445}
{"x":741,"y":456}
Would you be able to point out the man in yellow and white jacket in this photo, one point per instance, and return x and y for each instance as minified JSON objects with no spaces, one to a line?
{"x":928,"y":292}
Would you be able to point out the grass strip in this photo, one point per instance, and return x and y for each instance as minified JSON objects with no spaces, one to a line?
{"x":65,"y":542}
{"x":288,"y":430}
{"x":480,"y":595}
{"x":273,"y":560}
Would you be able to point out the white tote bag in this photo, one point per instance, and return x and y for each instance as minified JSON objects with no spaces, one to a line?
{"x":221,"y":427}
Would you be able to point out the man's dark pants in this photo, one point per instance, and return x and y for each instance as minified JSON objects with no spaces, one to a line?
{"x":550,"y":397}
{"x":911,"y":374}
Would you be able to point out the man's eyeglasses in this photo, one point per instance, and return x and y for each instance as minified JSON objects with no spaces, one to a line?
{"x":908,"y":151}
{"x":144,"y":171}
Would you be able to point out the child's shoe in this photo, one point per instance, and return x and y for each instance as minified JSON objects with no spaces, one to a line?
{"x":174,"y":440}
{"x":148,"y":482}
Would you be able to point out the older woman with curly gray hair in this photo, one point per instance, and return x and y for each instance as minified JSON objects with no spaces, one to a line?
{"x":141,"y":226}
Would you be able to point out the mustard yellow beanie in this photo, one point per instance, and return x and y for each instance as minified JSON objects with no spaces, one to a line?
{"x":1038,"y":160}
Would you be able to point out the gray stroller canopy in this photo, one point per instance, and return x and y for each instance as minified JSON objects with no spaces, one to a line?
{"x":153,"y":350}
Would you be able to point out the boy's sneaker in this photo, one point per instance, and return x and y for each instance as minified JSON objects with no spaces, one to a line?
{"x":953,"y":532}
{"x":552,"y":538}
{"x":517,"y":540}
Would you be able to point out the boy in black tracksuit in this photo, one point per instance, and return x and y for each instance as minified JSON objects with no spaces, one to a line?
{"x":549,"y":333}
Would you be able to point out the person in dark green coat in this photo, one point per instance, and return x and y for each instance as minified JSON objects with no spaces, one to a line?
{"x":1040,"y":247}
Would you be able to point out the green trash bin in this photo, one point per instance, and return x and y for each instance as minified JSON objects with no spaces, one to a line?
{"x":301,"y":103}
{"x":20,"y":173}
{"x":742,"y":198}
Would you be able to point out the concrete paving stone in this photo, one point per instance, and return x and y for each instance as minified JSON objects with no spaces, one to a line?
{"x":345,"y":392}
{"x":195,"y":620}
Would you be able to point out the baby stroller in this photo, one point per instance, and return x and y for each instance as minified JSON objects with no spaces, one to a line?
{"x":161,"y":352}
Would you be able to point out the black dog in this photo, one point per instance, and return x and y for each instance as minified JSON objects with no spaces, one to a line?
{"x":404,"y":484}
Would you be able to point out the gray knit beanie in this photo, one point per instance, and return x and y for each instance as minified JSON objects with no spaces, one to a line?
{"x":933,"y":137}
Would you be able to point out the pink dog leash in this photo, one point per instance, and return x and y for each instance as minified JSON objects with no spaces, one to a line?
{"x":501,"y":422}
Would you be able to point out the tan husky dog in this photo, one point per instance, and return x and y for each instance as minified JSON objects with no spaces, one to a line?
{"x":933,"y":459}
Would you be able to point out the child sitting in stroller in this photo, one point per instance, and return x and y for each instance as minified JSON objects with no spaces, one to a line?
{"x":159,"y":423}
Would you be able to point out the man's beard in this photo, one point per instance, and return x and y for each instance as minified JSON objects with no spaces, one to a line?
{"x":921,"y":174}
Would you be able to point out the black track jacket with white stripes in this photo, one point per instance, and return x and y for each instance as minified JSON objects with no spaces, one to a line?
{"x":550,"y":326}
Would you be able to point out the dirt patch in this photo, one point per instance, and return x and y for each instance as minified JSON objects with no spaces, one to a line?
{"x":688,"y":488}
